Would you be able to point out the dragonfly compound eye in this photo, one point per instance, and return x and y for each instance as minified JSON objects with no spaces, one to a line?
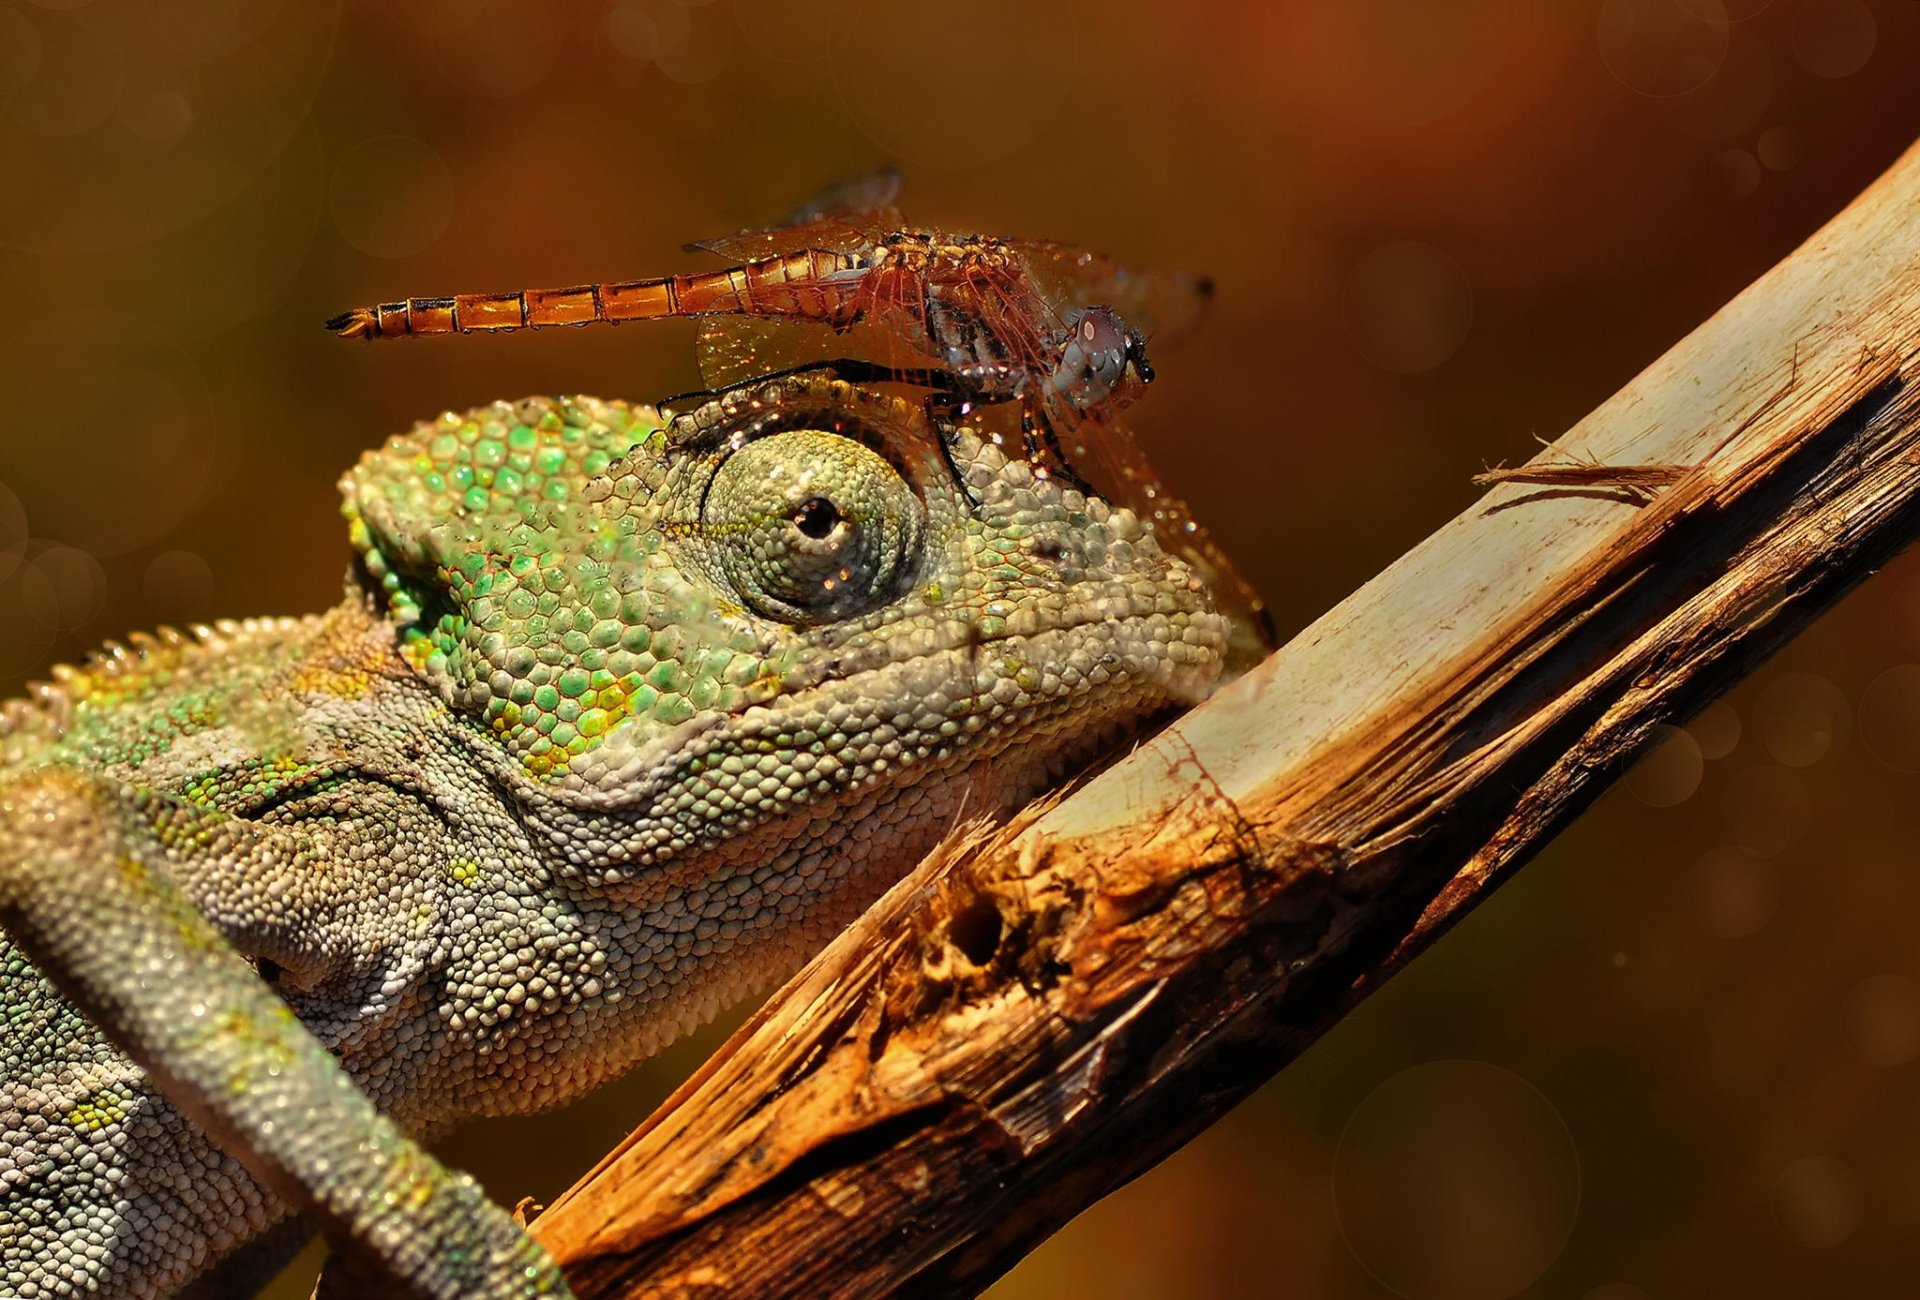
{"x":812,"y":527}
{"x":1093,"y":360}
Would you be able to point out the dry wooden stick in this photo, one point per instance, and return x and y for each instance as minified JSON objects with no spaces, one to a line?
{"x":1041,"y":1013}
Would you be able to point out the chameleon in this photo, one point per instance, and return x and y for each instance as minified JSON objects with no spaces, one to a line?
{"x":626,"y":709}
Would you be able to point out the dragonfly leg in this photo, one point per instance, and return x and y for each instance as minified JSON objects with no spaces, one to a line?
{"x":1044,"y":449}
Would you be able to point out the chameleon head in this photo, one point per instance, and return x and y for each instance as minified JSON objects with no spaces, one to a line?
{"x":677,"y":626}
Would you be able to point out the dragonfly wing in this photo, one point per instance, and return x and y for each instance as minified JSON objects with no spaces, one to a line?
{"x":851,"y":217}
{"x":830,"y":234}
{"x":1165,"y":306}
{"x":734,"y":349}
{"x":863,"y":198}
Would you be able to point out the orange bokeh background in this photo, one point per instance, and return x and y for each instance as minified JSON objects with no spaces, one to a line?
{"x":1676,"y":1057}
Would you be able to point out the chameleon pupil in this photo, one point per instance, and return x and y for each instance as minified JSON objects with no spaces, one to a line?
{"x":816,"y":518}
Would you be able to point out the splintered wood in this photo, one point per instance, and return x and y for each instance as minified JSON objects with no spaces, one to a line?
{"x":1039,"y":1013}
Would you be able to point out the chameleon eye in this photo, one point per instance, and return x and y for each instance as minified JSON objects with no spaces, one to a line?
{"x":812,"y":526}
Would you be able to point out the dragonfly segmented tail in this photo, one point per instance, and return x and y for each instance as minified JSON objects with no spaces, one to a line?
{"x":811,"y":284}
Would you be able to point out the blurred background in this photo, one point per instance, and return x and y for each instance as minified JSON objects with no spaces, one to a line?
{"x":1677,"y":1057}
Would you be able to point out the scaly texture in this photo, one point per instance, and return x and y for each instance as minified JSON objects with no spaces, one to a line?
{"x":622,"y":715}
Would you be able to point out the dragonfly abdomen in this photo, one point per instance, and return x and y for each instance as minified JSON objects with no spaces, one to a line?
{"x":812,"y":284}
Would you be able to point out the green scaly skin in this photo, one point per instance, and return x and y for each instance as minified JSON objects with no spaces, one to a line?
{"x":622,"y":716}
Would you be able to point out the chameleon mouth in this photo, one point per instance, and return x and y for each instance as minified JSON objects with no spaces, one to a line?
{"x":630,"y":817}
{"x":856,"y":725}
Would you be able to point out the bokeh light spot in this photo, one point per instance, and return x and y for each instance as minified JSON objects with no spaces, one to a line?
{"x":1456,"y":1180}
{"x":1734,"y":892}
{"x":703,"y":55}
{"x":496,"y":48}
{"x":162,"y":115}
{"x":1663,"y":48}
{"x":1396,"y":64}
{"x":392,"y":196}
{"x":70,"y":591}
{"x":1734,"y":173}
{"x":13,"y":519}
{"x":645,"y":30}
{"x":1769,"y":808}
{"x":130,"y":416}
{"x":1780,"y":148}
{"x":1716,"y":729}
{"x":1670,"y":770}
{"x":19,"y":50}
{"x":1819,"y":1201}
{"x":24,"y":641}
{"x":76,"y":80}
{"x":1733,"y":11}
{"x":178,"y":586}
{"x":1904,"y":610}
{"x":199,"y":31}
{"x":1833,"y":38}
{"x":1734,"y":98}
{"x":786,"y":31}
{"x":1616,"y":1291}
{"x":1882,"y":1015}
{"x":139,"y":119}
{"x":1017,"y":88}
{"x":1802,"y":718}
{"x":1408,"y":306}
{"x":1890,"y":717}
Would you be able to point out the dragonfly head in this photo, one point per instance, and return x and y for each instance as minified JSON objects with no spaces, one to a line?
{"x":1094,"y":357}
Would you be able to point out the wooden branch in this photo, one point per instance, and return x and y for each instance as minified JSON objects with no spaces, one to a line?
{"x":1040,"y":1014}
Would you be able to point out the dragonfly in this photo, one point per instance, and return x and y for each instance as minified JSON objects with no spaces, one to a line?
{"x":1055,"y":333}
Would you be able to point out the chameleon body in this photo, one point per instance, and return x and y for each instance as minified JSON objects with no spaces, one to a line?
{"x":623,"y":714}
